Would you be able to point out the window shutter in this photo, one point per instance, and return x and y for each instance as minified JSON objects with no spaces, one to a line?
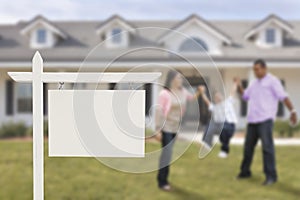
{"x":148,"y":88}
{"x":111,"y":86}
{"x":9,"y":97}
{"x":45,"y":98}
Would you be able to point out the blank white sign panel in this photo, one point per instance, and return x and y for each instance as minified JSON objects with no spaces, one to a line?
{"x":96,"y":123}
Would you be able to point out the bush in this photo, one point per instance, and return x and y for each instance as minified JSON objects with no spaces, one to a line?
{"x":29,"y":130}
{"x":13,"y":129}
{"x":283,"y":128}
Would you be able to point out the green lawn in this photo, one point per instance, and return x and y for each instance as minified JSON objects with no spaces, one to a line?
{"x":86,"y":178}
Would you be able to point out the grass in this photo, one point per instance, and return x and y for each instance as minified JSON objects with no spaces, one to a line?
{"x":86,"y":178}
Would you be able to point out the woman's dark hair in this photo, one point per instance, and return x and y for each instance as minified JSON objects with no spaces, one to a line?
{"x":170,"y":76}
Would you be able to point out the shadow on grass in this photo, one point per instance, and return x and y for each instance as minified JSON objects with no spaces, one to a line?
{"x":288,"y":189}
{"x":257,"y":180}
{"x":180,"y":193}
{"x":282,"y":186}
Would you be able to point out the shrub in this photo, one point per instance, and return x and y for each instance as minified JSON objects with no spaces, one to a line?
{"x":13,"y":129}
{"x":283,"y":128}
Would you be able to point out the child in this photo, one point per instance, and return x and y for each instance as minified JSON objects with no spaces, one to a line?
{"x":223,"y":119}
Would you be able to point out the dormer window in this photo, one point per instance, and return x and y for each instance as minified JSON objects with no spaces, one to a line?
{"x":42,"y":33}
{"x":203,"y":37}
{"x":270,"y":32}
{"x":115,"y":32}
{"x":41,"y":36}
{"x":116,"y":35}
{"x":270,"y":36}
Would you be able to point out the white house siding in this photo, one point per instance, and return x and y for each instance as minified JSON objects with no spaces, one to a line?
{"x":289,"y":75}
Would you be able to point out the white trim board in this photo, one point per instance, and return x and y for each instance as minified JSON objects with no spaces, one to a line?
{"x":115,"y":77}
{"x":128,"y":65}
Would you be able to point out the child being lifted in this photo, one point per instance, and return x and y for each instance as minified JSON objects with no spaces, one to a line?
{"x":223,"y":119}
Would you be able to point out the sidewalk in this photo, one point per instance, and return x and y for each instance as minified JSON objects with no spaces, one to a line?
{"x":238,"y":139}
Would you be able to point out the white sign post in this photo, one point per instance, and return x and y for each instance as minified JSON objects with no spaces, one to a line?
{"x":38,"y":77}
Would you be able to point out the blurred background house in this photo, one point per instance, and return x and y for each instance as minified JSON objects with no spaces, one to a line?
{"x":233,"y":45}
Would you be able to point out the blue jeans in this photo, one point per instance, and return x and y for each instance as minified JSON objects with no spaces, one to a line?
{"x":226,"y":135}
{"x":211,"y":129}
{"x":226,"y":131}
{"x":168,"y":140}
{"x":262,"y":130}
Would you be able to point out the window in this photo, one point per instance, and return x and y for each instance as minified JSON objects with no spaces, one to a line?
{"x":24,"y":97}
{"x":41,"y":36}
{"x":270,"y":35}
{"x":193,"y":45}
{"x":116,"y":35}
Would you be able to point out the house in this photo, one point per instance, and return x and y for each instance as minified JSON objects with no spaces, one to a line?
{"x":219,"y":49}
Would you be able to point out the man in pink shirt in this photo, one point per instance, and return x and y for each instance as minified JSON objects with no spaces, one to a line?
{"x":263,"y":95}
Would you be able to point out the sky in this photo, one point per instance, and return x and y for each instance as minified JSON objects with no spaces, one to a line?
{"x":14,"y":10}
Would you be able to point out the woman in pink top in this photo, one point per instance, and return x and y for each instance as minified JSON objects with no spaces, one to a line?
{"x":172,"y":102}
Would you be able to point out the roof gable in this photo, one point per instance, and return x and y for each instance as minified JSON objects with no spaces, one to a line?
{"x":201,"y":22}
{"x":116,"y":19}
{"x":40,"y":20}
{"x":270,"y":19}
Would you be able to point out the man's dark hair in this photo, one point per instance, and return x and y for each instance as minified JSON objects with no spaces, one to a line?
{"x":260,"y":62}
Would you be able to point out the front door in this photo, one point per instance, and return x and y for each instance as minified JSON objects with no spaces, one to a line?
{"x":191,"y":114}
